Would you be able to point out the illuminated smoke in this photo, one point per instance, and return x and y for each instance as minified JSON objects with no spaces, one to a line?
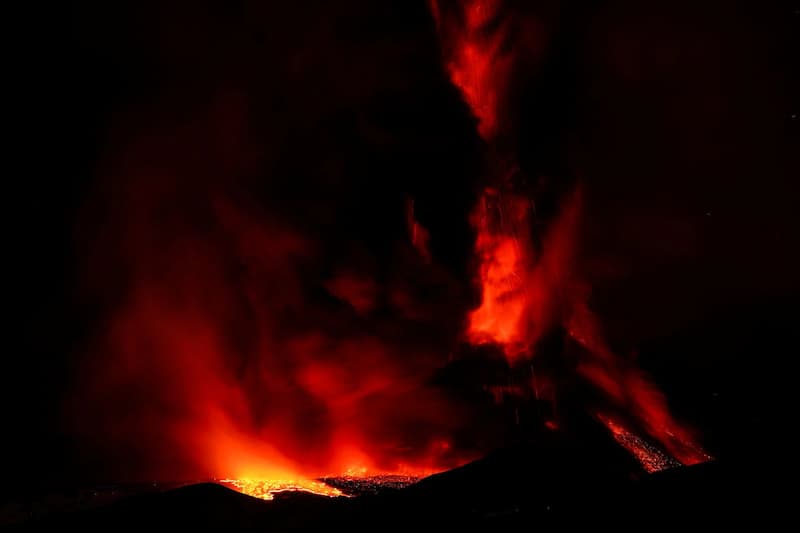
{"x":227,"y":351}
{"x":250,"y":341}
{"x":528,"y":291}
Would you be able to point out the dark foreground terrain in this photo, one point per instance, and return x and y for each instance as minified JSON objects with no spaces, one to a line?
{"x":723,"y":377}
{"x":512,"y":489}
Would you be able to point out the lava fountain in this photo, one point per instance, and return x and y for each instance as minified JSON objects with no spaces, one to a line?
{"x":527,"y":275}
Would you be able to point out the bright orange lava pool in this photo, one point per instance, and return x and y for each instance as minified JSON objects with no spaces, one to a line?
{"x":267,"y":488}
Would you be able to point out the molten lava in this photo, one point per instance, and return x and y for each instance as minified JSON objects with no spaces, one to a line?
{"x":266,"y":489}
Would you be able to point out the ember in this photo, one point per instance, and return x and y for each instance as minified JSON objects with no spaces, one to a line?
{"x":370,"y":484}
{"x":353,"y":482}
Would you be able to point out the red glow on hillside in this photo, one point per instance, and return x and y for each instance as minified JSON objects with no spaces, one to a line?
{"x":629,"y":389}
{"x":525,"y":296}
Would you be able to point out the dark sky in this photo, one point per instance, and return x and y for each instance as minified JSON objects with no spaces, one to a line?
{"x":680,"y":118}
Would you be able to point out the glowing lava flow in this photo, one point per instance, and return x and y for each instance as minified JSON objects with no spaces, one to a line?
{"x":476,"y":61}
{"x":267,"y":488}
{"x":354,"y":482}
{"x":651,"y":458}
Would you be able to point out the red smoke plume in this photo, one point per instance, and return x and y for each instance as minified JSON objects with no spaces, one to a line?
{"x":527,"y":292}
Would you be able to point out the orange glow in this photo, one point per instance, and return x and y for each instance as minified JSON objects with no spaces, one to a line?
{"x":503,"y":272}
{"x":266,"y":490}
{"x":360,"y":476}
{"x":215,"y":363}
{"x":519,"y":291}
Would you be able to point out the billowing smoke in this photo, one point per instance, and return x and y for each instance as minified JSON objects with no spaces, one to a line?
{"x":273,"y":289}
{"x":287,"y":236}
{"x":531,"y":286}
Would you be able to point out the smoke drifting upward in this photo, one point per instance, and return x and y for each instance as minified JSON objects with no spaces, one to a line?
{"x":530,"y":285}
{"x":224,"y":354}
{"x":487,"y":45}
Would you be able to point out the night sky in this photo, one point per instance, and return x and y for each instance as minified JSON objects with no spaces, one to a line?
{"x":680,"y":117}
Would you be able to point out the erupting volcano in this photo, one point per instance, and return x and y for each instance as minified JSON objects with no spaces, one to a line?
{"x":249,"y":342}
{"x":529,"y":282}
